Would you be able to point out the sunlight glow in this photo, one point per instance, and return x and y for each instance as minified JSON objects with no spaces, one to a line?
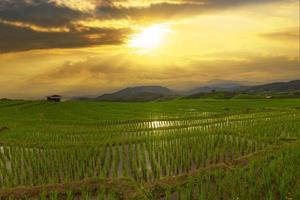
{"x":151,"y":38}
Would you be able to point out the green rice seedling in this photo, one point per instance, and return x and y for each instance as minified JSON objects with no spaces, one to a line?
{"x":43,"y":195}
{"x":112,"y":195}
{"x":53,"y":195}
{"x":85,"y":195}
{"x":101,"y":194}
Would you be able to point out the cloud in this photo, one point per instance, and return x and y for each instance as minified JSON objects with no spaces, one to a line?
{"x":54,"y":13}
{"x":39,"y":12}
{"x":15,"y":38}
{"x":98,"y":75}
{"x":118,"y":66}
{"x":168,"y":9}
{"x":45,"y":24}
{"x":291,"y":34}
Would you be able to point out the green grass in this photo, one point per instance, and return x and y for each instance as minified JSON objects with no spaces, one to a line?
{"x":58,"y":143}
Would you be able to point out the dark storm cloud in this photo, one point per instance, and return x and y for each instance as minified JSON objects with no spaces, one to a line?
{"x":38,"y":12}
{"x":15,"y":39}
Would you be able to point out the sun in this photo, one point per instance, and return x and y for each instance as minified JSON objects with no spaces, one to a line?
{"x":150,"y":38}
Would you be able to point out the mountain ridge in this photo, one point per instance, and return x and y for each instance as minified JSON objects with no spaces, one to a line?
{"x":159,"y":93}
{"x":139,"y":93}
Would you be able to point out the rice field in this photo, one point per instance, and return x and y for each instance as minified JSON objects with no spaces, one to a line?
{"x":179,"y":150}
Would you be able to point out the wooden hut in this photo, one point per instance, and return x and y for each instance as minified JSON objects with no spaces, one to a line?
{"x":54,"y":98}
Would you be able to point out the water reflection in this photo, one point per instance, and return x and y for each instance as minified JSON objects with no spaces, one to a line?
{"x":156,"y":124}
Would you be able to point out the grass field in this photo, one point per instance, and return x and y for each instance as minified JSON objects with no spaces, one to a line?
{"x":180,"y":149}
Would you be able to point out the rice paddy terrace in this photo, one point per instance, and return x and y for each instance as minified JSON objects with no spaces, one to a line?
{"x":181,"y":150}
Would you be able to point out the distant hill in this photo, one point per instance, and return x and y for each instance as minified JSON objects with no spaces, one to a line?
{"x":272,"y":90}
{"x":276,"y":87}
{"x":212,"y":95}
{"x":218,"y":89}
{"x":208,"y":89}
{"x":230,"y":86}
{"x":219,"y":85}
{"x":139,"y":94}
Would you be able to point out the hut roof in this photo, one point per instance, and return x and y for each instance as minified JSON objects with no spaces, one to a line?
{"x":54,"y":97}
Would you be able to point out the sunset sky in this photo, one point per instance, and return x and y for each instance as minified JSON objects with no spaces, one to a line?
{"x":90,"y":47}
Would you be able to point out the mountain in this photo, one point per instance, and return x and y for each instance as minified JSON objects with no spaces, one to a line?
{"x":275,"y":90}
{"x":276,"y":87}
{"x":212,"y":95}
{"x":218,"y":89}
{"x":219,"y":85}
{"x":139,"y":94}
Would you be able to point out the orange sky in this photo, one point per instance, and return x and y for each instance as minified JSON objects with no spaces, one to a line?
{"x":83,"y":47}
